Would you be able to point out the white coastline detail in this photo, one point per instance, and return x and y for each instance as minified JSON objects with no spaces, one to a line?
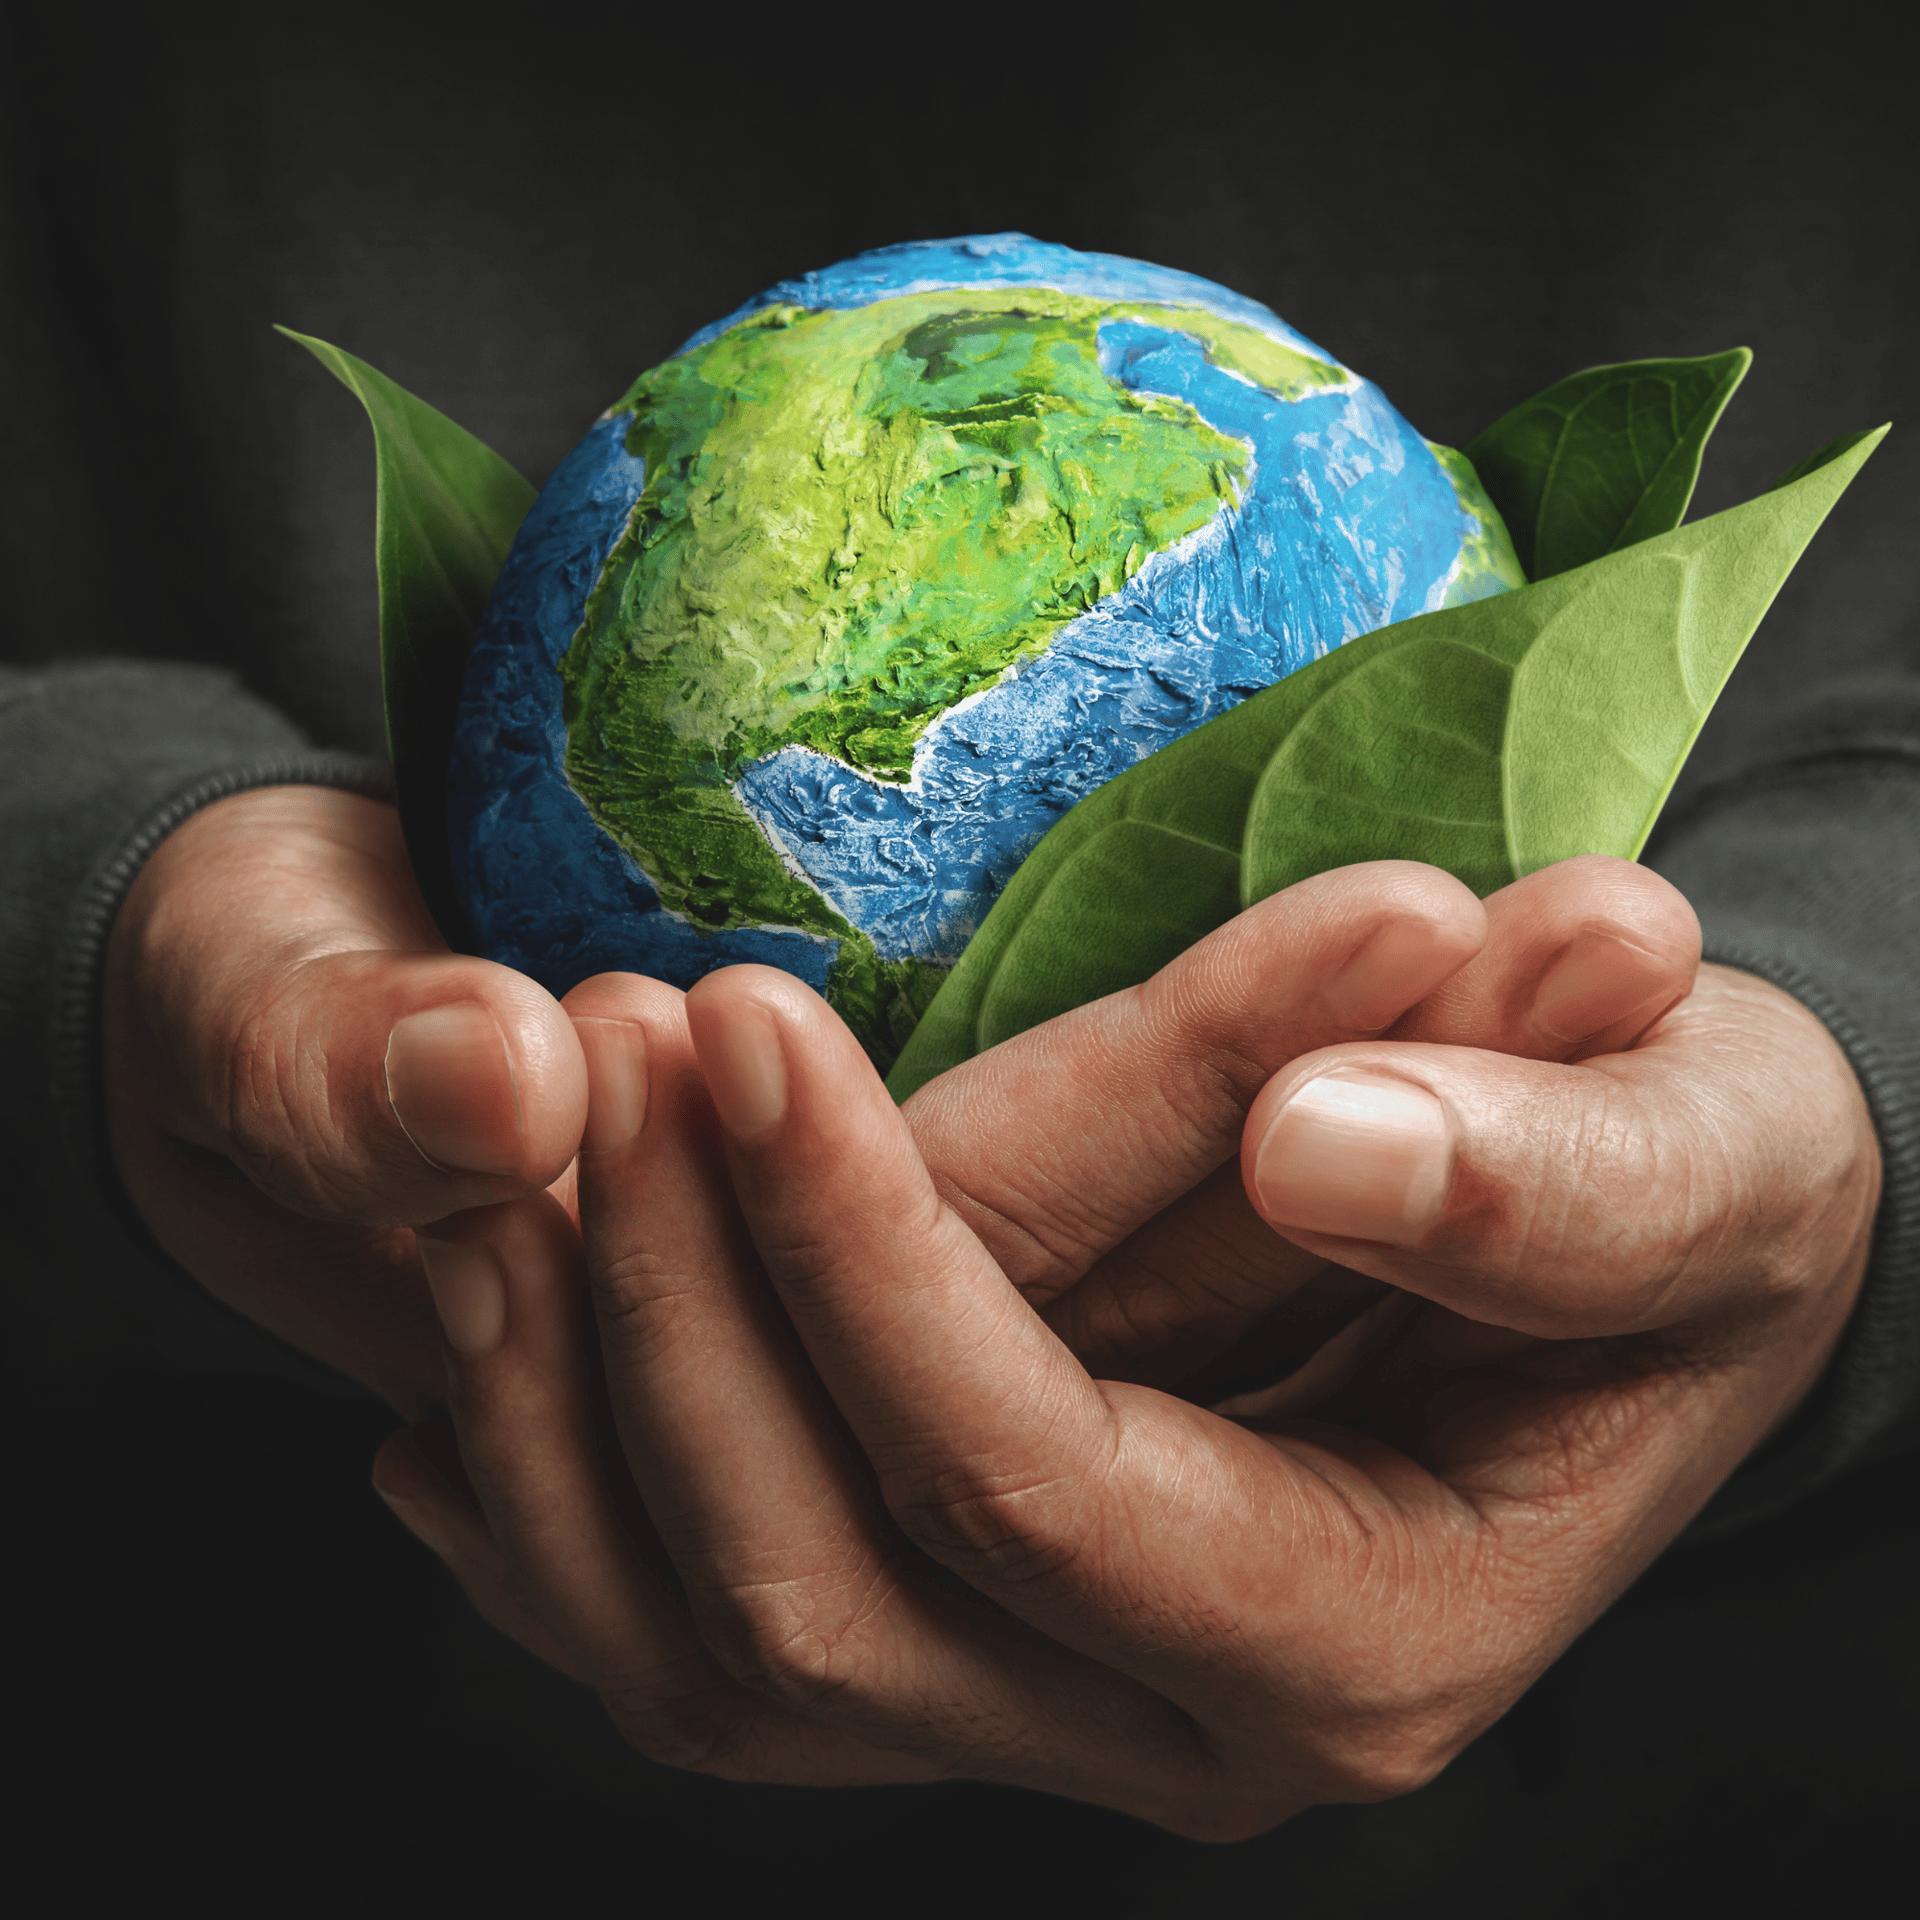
{"x":1190,"y":548}
{"x":1357,"y":437}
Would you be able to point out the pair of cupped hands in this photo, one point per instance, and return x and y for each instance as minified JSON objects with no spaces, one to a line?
{"x":1225,"y":1398}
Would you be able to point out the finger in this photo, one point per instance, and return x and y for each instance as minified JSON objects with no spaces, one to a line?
{"x":1696,"y":1173}
{"x":1204,"y":1293}
{"x":410,"y":1475}
{"x":353,"y":1297}
{"x":575,"y":1538}
{"x":791,"y":1566}
{"x":277,"y":995}
{"x":825,"y":1165}
{"x":1581,"y":958}
{"x":937,"y":1363}
{"x":1076,"y":1507}
{"x":576,"y":1555}
{"x":1162,"y":1075}
{"x":507,"y":1286}
{"x":1278,"y":1585}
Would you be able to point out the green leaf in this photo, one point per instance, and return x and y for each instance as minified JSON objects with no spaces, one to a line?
{"x":448,"y":508}
{"x":1136,"y":895}
{"x":1605,"y":458}
{"x":1822,"y":456}
{"x":1399,"y":759}
{"x":1489,"y":739}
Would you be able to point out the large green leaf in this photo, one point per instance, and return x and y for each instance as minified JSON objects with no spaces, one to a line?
{"x":1488,"y":739}
{"x":1604,"y":458}
{"x":448,"y":508}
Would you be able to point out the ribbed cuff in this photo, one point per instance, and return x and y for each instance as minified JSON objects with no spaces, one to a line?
{"x":1863,"y":1406}
{"x":1808,"y":875}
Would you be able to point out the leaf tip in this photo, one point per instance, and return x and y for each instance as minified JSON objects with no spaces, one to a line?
{"x":1733,"y":367}
{"x":1858,"y":446}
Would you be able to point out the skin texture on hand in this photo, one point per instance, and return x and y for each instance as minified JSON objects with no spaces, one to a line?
{"x":784,"y":1461}
{"x":858,"y":1444}
{"x":1180,"y":1282}
{"x":298,"y":1071}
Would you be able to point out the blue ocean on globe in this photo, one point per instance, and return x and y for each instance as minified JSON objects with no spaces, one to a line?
{"x":882,"y":821}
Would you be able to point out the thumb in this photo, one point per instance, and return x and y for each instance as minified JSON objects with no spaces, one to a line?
{"x":393,"y":1089}
{"x":276,"y":995}
{"x":1630,"y":1192}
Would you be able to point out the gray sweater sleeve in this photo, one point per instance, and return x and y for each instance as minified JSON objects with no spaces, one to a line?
{"x":1805,"y":869}
{"x":98,"y":763}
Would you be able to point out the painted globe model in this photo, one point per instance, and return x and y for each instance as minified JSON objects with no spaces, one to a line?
{"x":829,"y":619}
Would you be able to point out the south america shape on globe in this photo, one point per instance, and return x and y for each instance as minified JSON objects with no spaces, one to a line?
{"x":836,"y":612}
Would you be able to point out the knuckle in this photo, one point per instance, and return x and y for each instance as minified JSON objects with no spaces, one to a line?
{"x":1399,"y":1767}
{"x":1213,"y":1067}
{"x":1045,"y":1223}
{"x":803,"y":1666}
{"x":265,"y":1084}
{"x":1041,"y":1255}
{"x":815,"y":1250}
{"x":1604,"y":1242}
{"x":636,"y":1294}
{"x":821,"y":1261}
{"x":271,"y":1101}
{"x":1384,"y":1727}
{"x":1007,"y":1534}
{"x":1668,"y":1192}
{"x":258,"y":1090}
{"x":804,"y":1643}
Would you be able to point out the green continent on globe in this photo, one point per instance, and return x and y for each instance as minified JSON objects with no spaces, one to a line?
{"x":852,"y":521}
{"x":1486,"y":555}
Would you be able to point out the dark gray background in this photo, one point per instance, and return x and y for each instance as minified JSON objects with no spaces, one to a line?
{"x":514,"y":210}
{"x":240,"y":1684}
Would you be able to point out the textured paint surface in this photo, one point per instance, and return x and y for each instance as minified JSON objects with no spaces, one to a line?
{"x":549,"y":892}
{"x":1325,"y":516}
{"x":854,"y":520}
{"x":852,"y":524}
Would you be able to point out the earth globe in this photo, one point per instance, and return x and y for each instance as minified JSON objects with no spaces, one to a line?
{"x":838,"y":610}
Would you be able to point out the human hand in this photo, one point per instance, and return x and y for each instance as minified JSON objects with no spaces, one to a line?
{"x":262,"y":946}
{"x":1210,"y":1622}
{"x":297,"y":1071}
{"x":1153,"y":1264}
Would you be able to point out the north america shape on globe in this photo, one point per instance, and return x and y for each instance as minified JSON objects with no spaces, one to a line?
{"x":837,"y":611}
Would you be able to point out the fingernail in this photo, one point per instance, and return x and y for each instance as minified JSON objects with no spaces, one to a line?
{"x":1587,"y":986}
{"x":616,"y":1053}
{"x":1361,"y":1155}
{"x":469,"y":1292}
{"x":450,"y":1082}
{"x":1370,"y":990}
{"x":745,"y":1070}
